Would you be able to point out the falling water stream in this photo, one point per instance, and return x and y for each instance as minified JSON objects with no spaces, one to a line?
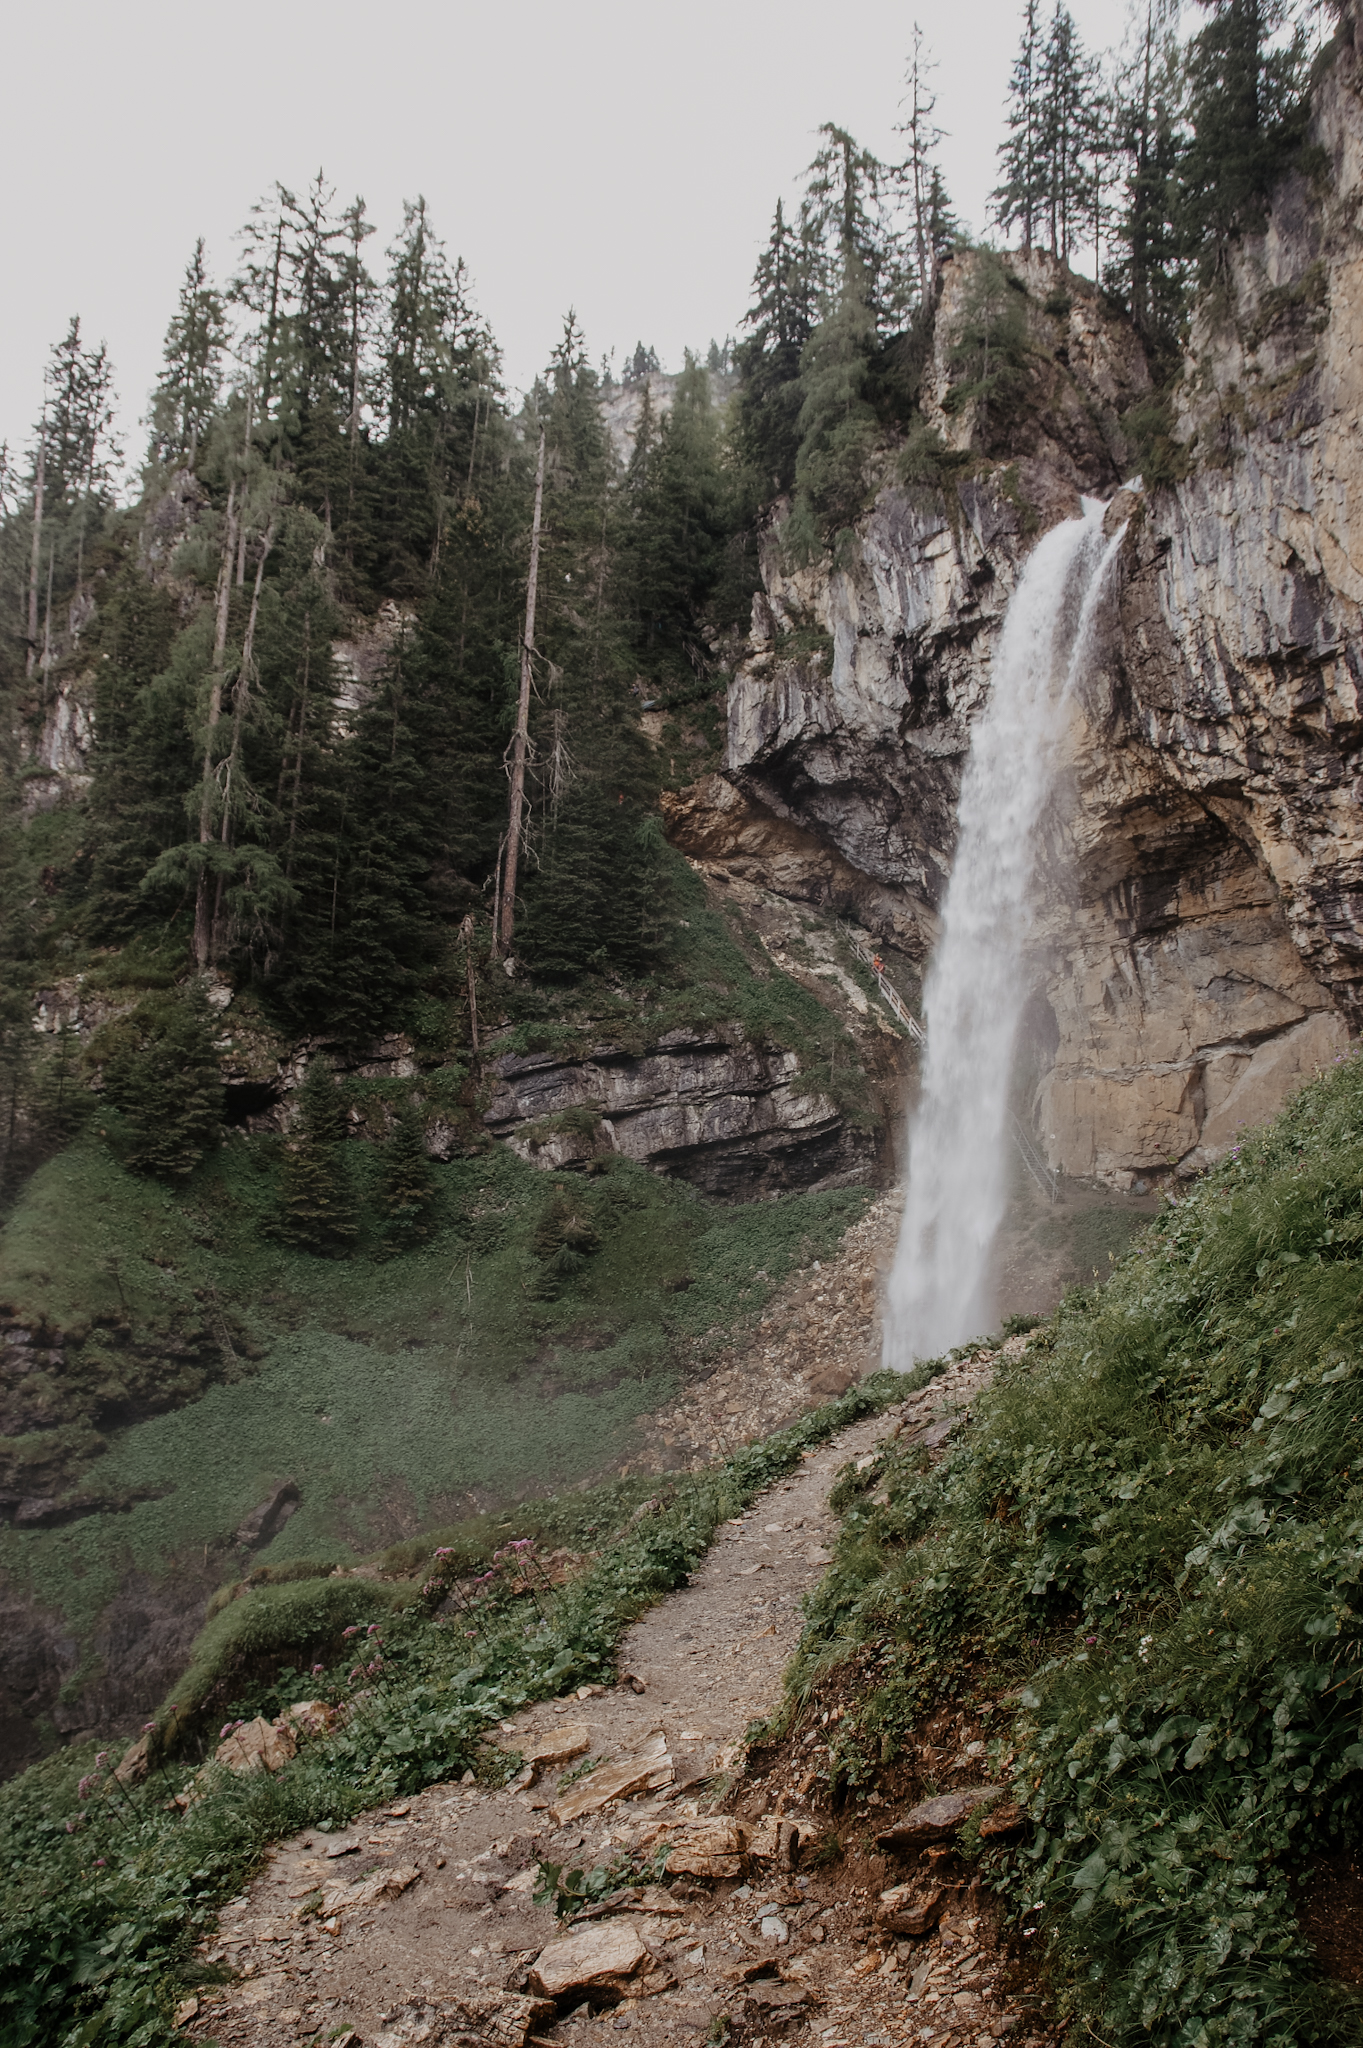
{"x":977,"y":986}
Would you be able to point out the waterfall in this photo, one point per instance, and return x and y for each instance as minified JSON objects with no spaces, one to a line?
{"x":977,"y":986}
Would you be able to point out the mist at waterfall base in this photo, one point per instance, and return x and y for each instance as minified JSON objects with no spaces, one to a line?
{"x":939,"y":1291}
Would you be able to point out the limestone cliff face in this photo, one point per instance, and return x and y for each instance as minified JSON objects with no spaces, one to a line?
{"x":1201,"y":945}
{"x":733,"y":1118}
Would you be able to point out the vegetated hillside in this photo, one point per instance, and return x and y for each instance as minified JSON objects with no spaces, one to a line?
{"x":1147,"y":1548}
{"x":1137,"y":1567}
{"x":104,"y":1891}
{"x":186,"y":1367}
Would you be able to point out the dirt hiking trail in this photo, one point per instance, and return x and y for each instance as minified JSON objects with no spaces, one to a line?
{"x":759,"y":1930}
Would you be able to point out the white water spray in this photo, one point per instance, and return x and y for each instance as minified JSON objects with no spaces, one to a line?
{"x":977,"y":988}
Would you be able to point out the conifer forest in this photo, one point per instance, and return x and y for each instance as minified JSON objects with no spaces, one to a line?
{"x":330,"y":444}
{"x":774,"y":935}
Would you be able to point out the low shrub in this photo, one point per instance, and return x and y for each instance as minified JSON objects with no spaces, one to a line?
{"x":1155,"y":1531}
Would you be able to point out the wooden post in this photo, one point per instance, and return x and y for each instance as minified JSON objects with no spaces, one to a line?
{"x":513,"y":828}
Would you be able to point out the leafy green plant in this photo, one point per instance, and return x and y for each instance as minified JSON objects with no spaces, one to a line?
{"x":1154,"y":1532}
{"x":580,"y":1770}
{"x":568,"y":1891}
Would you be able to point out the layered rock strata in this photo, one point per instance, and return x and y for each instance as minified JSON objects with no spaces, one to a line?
{"x":1200,"y":947}
{"x":733,"y":1118}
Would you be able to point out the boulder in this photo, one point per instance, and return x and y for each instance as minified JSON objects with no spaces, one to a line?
{"x":257,"y":1746}
{"x":908,"y":1912}
{"x":308,"y":1717}
{"x":708,"y":1848}
{"x":505,"y":2019}
{"x":646,"y":1771}
{"x":775,"y":1840}
{"x":936,"y":1820}
{"x":364,"y":1891}
{"x":133,"y":1768}
{"x":599,"y":1962}
{"x":778,"y":1998}
{"x":559,"y":1746}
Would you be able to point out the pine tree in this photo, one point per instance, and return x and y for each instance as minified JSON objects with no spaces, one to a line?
{"x":1019,"y":200}
{"x":317,"y":1209}
{"x":188,"y":388}
{"x":161,"y":1074}
{"x":779,"y":322}
{"x":1148,"y":271}
{"x":837,"y":422}
{"x":1246,"y":106}
{"x":82,"y":450}
{"x":1056,"y":141}
{"x":140,"y":760}
{"x":842,"y":212}
{"x":1067,"y":126}
{"x":673,"y":526}
{"x":919,"y":180}
{"x":438,"y":386}
{"x":989,"y":353}
{"x":408,"y":1188}
{"x":597,"y":902}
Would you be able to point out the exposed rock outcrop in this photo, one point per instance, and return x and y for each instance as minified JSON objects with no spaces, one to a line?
{"x":708,"y":1105}
{"x":1201,"y":947}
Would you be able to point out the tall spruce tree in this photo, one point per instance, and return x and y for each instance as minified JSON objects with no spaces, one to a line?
{"x":161,"y":1074}
{"x":317,"y":1207}
{"x":1019,"y":199}
{"x":407,"y":1192}
{"x":1148,"y":270}
{"x":1246,"y":107}
{"x":188,"y":388}
{"x":1068,"y":124}
{"x":919,"y":183}
{"x":779,"y":323}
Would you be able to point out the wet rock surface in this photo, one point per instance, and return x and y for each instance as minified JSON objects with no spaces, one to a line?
{"x":1199,"y":948}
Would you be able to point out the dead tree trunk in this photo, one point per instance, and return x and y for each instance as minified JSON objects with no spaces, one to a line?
{"x":203,"y":922}
{"x":241,"y":698}
{"x":466,"y":932}
{"x":35,"y":562}
{"x":518,"y":747}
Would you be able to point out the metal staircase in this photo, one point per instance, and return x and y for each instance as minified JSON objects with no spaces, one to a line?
{"x":889,"y":994}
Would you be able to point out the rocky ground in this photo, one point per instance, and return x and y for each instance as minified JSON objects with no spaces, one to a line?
{"x":820,"y":1333}
{"x":763,"y":1914}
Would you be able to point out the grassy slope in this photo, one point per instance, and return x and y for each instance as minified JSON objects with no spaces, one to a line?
{"x":102,"y":1897}
{"x":1155,"y":1529}
{"x":394,"y":1393}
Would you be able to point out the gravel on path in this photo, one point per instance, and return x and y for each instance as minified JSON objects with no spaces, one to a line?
{"x":434,"y":1927}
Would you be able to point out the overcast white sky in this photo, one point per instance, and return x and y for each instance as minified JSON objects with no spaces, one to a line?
{"x":622,"y":159}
